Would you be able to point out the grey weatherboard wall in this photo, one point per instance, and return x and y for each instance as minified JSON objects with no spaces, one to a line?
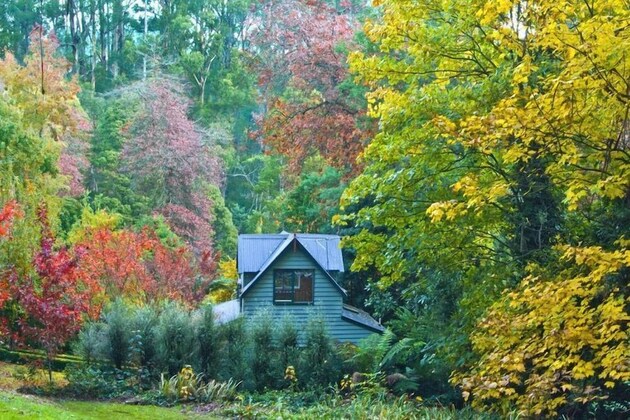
{"x":327,"y":298}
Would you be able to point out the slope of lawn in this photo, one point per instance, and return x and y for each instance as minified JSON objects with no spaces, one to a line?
{"x":16,"y":406}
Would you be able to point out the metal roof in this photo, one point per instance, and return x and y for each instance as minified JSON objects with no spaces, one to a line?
{"x":255,"y":250}
{"x":358,"y":316}
{"x":290,"y":237}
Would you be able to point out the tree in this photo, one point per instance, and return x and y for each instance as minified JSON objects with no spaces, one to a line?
{"x":8,"y":213}
{"x":502,"y":138}
{"x":169,"y":163}
{"x":555,"y":342}
{"x":55,"y":302}
{"x":141,"y":268}
{"x":28,"y":176}
{"x":49,"y":102}
{"x":308,"y":105}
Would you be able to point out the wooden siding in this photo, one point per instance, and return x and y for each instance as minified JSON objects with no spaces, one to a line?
{"x":327,"y":299}
{"x":247,"y":277}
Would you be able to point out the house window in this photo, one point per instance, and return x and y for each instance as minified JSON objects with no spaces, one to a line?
{"x":293,"y":286}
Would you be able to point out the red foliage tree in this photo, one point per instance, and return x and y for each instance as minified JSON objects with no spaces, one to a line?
{"x":113,"y":260}
{"x":140,"y":267}
{"x":174,"y":272}
{"x":8,"y":213}
{"x":55,"y":301}
{"x":73,"y":160}
{"x":297,"y":48}
{"x":170,"y":163}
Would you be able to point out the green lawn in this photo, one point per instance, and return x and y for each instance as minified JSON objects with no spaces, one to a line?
{"x":16,"y":406}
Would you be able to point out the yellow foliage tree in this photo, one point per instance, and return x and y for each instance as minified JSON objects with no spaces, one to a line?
{"x":504,"y":143}
{"x":554,"y":341}
{"x":223,"y":288}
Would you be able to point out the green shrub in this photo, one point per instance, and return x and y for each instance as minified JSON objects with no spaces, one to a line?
{"x":320,"y":365}
{"x":117,"y":332}
{"x":287,"y":339}
{"x":234,"y":353}
{"x":175,"y":341}
{"x":90,"y":344}
{"x":266,"y":369}
{"x":208,"y":341}
{"x":142,"y":341}
{"x":97,"y":383}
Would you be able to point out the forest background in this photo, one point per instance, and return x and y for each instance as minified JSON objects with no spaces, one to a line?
{"x":474,"y":154}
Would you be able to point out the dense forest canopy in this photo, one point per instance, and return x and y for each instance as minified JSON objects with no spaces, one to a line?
{"x":475,"y":156}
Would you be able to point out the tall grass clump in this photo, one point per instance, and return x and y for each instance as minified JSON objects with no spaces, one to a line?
{"x":266,"y":369}
{"x":117,"y":333}
{"x":207,"y":333}
{"x":175,"y":341}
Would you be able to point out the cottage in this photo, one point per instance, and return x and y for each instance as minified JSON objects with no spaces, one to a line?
{"x":297,"y":275}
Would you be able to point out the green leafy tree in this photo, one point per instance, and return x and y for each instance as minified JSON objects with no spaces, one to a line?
{"x":503,"y":131}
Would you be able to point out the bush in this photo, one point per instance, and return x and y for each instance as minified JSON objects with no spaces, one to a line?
{"x":208,"y":341}
{"x":91,"y":342}
{"x":142,"y":341}
{"x":175,"y":341}
{"x":234,"y":353}
{"x":320,"y":364}
{"x":117,"y":333}
{"x":95,"y":382}
{"x":287,"y":339}
{"x":266,"y":370}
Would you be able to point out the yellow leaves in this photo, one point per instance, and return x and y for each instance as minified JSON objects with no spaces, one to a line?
{"x":583,"y":370}
{"x":553,"y":334}
{"x":227,"y":269}
{"x":497,"y":89}
{"x":90,"y":222}
{"x":599,"y":261}
{"x":523,"y":71}
{"x":447,"y":210}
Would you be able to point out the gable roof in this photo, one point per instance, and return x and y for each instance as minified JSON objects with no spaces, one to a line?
{"x":361,"y":318}
{"x":255,"y":250}
{"x":311,"y":243}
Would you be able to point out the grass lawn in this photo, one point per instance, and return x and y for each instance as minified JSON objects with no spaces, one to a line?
{"x":16,"y":406}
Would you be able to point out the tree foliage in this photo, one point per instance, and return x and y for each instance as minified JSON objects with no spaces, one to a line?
{"x":168,"y":162}
{"x":300,"y":57}
{"x":503,"y":139}
{"x":54,"y":302}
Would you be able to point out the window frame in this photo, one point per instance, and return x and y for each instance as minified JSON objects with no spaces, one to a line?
{"x":295,"y":281}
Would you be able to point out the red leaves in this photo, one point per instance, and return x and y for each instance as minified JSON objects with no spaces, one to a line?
{"x":307,"y":112}
{"x":54,"y":301}
{"x":140,"y":267}
{"x":170,"y":162}
{"x":7,"y":214}
{"x":113,"y":263}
